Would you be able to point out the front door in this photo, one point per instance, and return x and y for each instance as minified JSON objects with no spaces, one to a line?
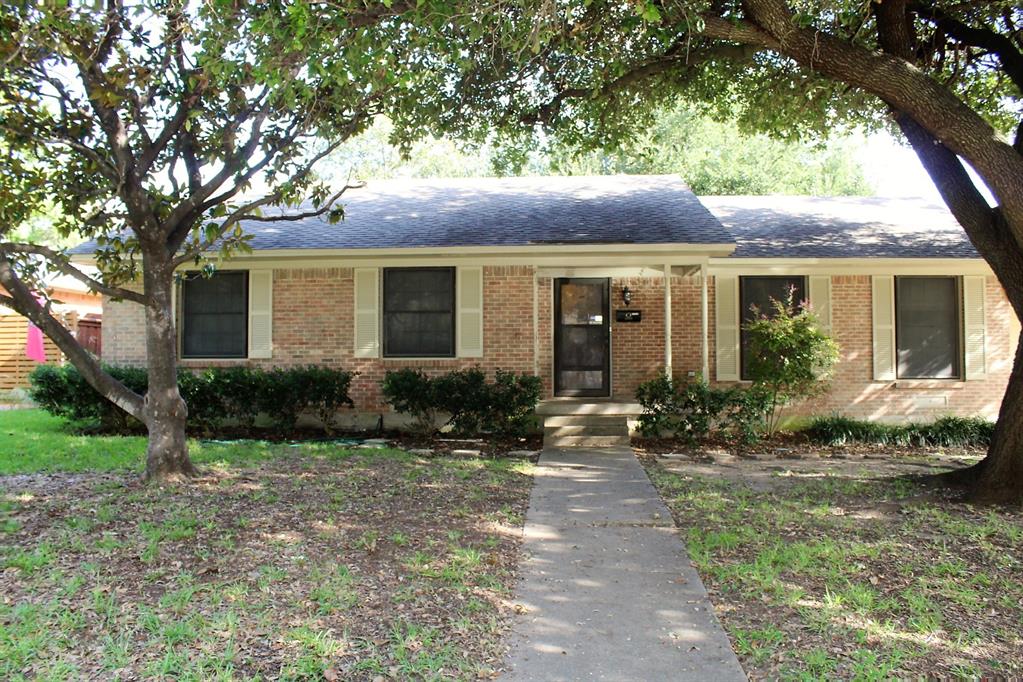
{"x":582,"y":353}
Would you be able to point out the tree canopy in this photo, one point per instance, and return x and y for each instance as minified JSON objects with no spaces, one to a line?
{"x":713,"y":157}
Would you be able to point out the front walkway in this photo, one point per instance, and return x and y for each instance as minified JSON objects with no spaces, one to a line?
{"x":607,"y":589}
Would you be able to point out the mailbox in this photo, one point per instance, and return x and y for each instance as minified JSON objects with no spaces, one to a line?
{"x":628,"y":315}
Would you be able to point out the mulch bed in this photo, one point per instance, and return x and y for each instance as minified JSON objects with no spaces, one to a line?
{"x":356,"y":566}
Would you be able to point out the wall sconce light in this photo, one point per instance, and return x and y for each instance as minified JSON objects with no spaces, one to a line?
{"x":626,"y":295}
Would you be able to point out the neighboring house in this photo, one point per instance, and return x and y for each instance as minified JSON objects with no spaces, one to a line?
{"x":597,"y":284}
{"x":79,"y":309}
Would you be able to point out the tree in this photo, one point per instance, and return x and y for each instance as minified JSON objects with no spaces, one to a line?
{"x":714,"y":157}
{"x":948,"y":75}
{"x":790,"y":357}
{"x":157,"y":127}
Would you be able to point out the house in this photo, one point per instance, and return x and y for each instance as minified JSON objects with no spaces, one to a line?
{"x":79,"y":309}
{"x":597,"y":284}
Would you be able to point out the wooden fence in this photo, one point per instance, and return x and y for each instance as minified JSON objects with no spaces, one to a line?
{"x":14,"y":366}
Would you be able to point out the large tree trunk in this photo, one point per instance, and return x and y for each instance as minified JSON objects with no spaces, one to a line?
{"x":999,"y":476}
{"x":164,"y":412}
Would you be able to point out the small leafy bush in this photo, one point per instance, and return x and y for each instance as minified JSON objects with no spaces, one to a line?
{"x":688,"y":410}
{"x":943,"y":432}
{"x":790,"y":357}
{"x":287,"y":393}
{"x":64,"y":392}
{"x":692,"y":410}
{"x":472,"y":404}
{"x":215,"y":396}
{"x":409,"y":391}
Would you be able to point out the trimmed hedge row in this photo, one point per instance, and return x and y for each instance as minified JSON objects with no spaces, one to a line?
{"x":943,"y":432}
{"x":215,"y":396}
{"x":471,"y":404}
{"x":222,"y":396}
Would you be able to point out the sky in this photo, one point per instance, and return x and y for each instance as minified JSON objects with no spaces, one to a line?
{"x":894,"y":170}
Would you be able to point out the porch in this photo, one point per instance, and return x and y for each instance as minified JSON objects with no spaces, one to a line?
{"x":601,"y":331}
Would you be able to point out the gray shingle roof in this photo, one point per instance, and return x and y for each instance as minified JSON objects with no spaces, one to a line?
{"x":657,"y":209}
{"x":840,"y":227}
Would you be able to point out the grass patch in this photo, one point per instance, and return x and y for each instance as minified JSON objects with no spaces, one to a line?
{"x":32,"y":441}
{"x":281,"y":562}
{"x":852,"y":576}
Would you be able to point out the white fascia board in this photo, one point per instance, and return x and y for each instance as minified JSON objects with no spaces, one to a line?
{"x":849,"y":266}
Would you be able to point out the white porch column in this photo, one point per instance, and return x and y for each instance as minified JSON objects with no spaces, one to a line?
{"x":704,"y":324}
{"x":667,"y":320}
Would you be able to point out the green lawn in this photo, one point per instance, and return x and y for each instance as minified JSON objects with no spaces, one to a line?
{"x":838,"y":570}
{"x":32,"y":441}
{"x":299,"y":562}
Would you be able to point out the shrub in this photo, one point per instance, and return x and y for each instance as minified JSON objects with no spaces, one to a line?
{"x":958,"y":432}
{"x":213,"y":396}
{"x":790,"y":358}
{"x":943,"y":432}
{"x":749,"y":412}
{"x":464,"y":395}
{"x":689,"y":410}
{"x":472,"y":404}
{"x":693,"y":409}
{"x":241,"y":391}
{"x":513,"y":400}
{"x":64,"y":392}
{"x":321,"y":390}
{"x":409,"y":391}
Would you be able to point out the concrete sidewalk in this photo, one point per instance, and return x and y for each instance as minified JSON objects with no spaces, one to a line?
{"x":607,"y":588}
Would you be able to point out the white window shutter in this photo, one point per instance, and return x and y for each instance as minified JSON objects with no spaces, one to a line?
{"x":261,"y":285}
{"x":820,"y":300}
{"x":883,"y":297}
{"x":367,"y":312}
{"x":974,"y":327}
{"x":726,"y":330}
{"x":469,"y":326}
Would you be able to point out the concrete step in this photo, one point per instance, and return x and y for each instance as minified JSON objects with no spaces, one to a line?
{"x":585,"y":420}
{"x":584,"y":441}
{"x":583,"y":406}
{"x":601,"y":429}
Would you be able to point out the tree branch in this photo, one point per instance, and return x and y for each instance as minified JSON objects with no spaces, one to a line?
{"x":57,"y":259}
{"x":22,"y":300}
{"x":985,"y":38}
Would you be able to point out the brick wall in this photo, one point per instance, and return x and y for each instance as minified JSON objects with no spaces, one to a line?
{"x":854,"y":391}
{"x":123,"y":333}
{"x":313,"y":324}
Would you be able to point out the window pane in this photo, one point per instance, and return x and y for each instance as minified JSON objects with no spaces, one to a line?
{"x":419,"y":315}
{"x":927,"y":327}
{"x":582,"y":303}
{"x":756,"y":295}
{"x":215,"y":316}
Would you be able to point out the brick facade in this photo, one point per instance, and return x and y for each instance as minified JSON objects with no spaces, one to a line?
{"x":312,"y":324}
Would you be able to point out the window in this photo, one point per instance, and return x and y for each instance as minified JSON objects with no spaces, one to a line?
{"x":214,"y":315}
{"x":927,"y":324}
{"x":755,"y":298}
{"x":419,"y":312}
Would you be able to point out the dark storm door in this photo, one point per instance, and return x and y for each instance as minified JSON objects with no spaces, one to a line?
{"x":582,"y":353}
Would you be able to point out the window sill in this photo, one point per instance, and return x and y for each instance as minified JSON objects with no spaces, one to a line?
{"x":938,"y":384}
{"x":207,"y":362}
{"x":417,"y":358}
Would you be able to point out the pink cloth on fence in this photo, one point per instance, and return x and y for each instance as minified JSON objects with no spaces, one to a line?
{"x":34,"y":348}
{"x":34,"y":344}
